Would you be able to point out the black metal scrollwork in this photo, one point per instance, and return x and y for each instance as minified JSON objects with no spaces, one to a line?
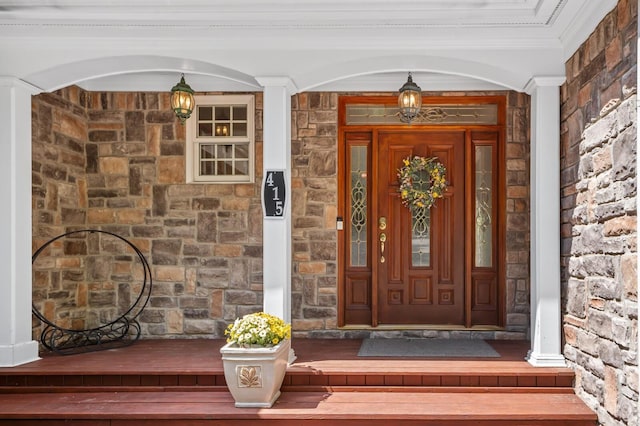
{"x":122,"y":331}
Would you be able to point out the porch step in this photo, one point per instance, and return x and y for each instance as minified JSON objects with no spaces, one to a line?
{"x":327,"y":385}
{"x":297,"y":378}
{"x":295,"y":408}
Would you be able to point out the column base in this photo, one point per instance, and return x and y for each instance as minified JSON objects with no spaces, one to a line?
{"x":18,"y":354}
{"x":546,"y":360}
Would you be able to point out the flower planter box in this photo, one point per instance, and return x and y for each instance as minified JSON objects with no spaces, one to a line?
{"x":254,"y":375}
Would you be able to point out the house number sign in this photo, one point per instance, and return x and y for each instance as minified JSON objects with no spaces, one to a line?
{"x":274,"y":194}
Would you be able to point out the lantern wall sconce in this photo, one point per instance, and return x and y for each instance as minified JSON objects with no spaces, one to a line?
{"x":409,"y":100}
{"x":182,"y":100}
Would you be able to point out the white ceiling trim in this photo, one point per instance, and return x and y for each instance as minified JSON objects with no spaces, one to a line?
{"x":320,"y":45}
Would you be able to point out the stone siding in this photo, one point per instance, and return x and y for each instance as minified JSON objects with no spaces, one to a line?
{"x":116,"y":162}
{"x":599,"y":218}
{"x":314,"y":187}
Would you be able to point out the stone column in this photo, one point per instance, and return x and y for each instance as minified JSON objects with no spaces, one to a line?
{"x":16,"y":345}
{"x":546,"y":321}
{"x":277,"y":231}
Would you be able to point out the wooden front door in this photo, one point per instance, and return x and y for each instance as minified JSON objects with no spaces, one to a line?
{"x":442,"y":266}
{"x":420,"y":256}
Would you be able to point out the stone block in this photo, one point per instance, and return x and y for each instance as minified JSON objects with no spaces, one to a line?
{"x":610,"y":353}
{"x":199,"y":326}
{"x":238,"y":204}
{"x":312,"y":268}
{"x":166,"y":252}
{"x":606,"y":288}
{"x":71,"y":125}
{"x":104,"y":136}
{"x":205,"y":203}
{"x":624,"y":156}
{"x":114,"y":165}
{"x":161,"y":117}
{"x":171,"y":170}
{"x":172,"y":148}
{"x":240,"y":297}
{"x":191,"y":313}
{"x":102,"y":299}
{"x":134,"y":126}
{"x":169,"y":273}
{"x":252,"y":251}
{"x":207,"y":227}
{"x":174,"y":321}
{"x":323,"y":163}
{"x":318,"y":312}
{"x":600,"y":323}
{"x":212,"y":278}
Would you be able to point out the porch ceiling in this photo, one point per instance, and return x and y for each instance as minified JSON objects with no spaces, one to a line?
{"x":320,"y":44}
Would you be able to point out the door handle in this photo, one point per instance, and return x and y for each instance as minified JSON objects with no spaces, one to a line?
{"x":383,"y":239}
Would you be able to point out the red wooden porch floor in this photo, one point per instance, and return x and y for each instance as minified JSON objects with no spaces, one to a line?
{"x":182,"y":382}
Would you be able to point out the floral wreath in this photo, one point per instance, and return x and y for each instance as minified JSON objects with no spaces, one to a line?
{"x":422,"y":181}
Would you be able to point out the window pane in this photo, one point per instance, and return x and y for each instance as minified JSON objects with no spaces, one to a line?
{"x":225,"y":168}
{"x":239,"y":112}
{"x":421,"y":237}
{"x":225,"y":151}
{"x":242,"y":150}
{"x":222,"y":129}
{"x":484,"y":206}
{"x":207,"y":151}
{"x":239,"y":129}
{"x":242,"y":168}
{"x":358,"y":194}
{"x":207,"y":168}
{"x":223,"y":113}
{"x":205,"y":113}
{"x":205,"y":129}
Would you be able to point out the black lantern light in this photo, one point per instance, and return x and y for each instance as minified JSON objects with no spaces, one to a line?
{"x":182,"y":100}
{"x":409,"y":100}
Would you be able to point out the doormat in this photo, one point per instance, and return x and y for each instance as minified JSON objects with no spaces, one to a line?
{"x":427,"y":348}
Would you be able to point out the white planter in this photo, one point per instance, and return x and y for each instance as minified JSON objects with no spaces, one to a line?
{"x":254,"y":375}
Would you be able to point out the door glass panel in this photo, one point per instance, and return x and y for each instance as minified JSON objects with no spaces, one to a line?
{"x":484,"y":206}
{"x":420,"y":237}
{"x":358,"y":195}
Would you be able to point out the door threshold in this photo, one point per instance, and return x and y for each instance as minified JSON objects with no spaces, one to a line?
{"x":438,"y":327}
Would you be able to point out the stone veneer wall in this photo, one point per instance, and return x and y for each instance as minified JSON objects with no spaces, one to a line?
{"x":599,"y":217}
{"x":115,"y":161}
{"x":59,"y":196}
{"x":314,"y":182}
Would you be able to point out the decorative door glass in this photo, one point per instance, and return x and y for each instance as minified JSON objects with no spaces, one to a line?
{"x":484,"y":206}
{"x":358,"y":208}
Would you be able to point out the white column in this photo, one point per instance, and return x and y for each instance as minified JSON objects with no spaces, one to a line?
{"x":546,"y":320}
{"x":277,"y":231}
{"x":16,"y":345}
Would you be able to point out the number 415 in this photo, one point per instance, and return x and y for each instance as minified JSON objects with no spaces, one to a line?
{"x":279,"y":207}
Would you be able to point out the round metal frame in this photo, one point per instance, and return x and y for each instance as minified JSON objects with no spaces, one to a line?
{"x":122,"y":331}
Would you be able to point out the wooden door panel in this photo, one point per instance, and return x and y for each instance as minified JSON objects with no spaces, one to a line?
{"x":421,"y":291}
{"x":432,"y":292}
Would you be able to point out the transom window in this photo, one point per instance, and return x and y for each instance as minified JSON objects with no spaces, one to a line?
{"x":220,"y":138}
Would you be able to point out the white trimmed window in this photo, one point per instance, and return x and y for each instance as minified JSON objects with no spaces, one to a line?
{"x":220,"y":139}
